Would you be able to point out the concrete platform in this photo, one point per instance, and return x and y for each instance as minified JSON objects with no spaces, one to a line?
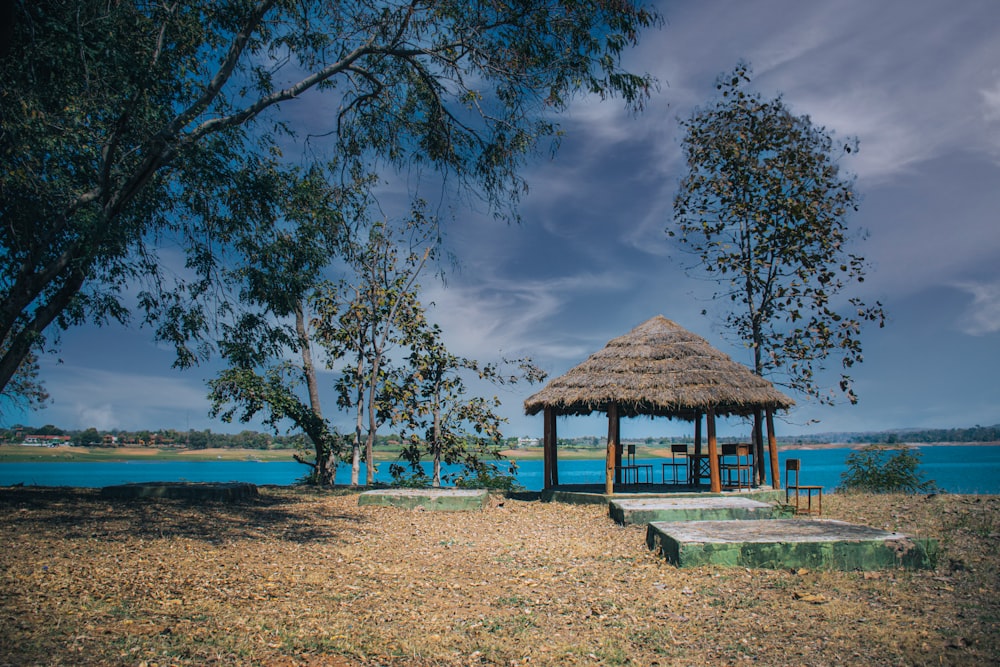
{"x":705,"y":508}
{"x":194,"y":491}
{"x":432,"y":500}
{"x":788,"y":543}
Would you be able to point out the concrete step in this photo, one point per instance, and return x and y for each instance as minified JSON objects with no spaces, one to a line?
{"x":691,"y":508}
{"x":194,"y":491}
{"x":788,"y":543}
{"x":432,"y":500}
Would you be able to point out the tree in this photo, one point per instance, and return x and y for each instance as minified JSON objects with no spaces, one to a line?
{"x":445,"y":422}
{"x":49,"y":429}
{"x":90,"y":437}
{"x":198,"y":439}
{"x":25,"y":388}
{"x":763,"y":208}
{"x":359,"y":318}
{"x":364,"y":319}
{"x":280,"y":273}
{"x":881,"y":469}
{"x":130,"y":127}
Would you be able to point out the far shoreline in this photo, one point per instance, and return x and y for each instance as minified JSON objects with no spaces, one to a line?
{"x":69,"y":454}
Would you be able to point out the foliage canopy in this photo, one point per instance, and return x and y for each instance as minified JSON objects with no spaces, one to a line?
{"x":763,"y":209}
{"x":142,"y":140}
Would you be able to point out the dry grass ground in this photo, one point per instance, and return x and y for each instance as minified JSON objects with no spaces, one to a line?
{"x":305,"y":578}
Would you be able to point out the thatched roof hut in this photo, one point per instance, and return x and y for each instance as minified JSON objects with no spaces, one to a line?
{"x":657,"y":369}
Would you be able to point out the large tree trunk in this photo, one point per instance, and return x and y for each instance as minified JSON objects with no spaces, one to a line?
{"x":18,"y":345}
{"x":326,"y":474}
{"x":370,"y":458}
{"x":326,"y":459}
{"x":308,"y":369}
{"x":436,"y":480}
{"x":359,"y":422}
{"x":356,"y":446}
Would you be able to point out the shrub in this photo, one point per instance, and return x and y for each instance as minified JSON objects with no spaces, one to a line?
{"x":488,"y":477}
{"x":406,"y":477}
{"x":882,"y":469}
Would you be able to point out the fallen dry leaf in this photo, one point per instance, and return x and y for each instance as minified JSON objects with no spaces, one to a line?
{"x":307,"y":578}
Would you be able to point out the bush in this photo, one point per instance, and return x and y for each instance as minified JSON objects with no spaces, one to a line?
{"x":407,"y":478}
{"x":489,"y":477}
{"x":881,"y":469}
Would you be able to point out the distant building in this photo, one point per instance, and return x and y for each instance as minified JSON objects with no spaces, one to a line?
{"x":526,"y":442}
{"x":46,"y":440}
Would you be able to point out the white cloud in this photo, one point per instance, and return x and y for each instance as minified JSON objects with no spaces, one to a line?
{"x":982,"y":317}
{"x":890,"y":141}
{"x":484,"y":315}
{"x":101,"y":417}
{"x":991,"y":116}
{"x":88,"y":397}
{"x":991,"y":102}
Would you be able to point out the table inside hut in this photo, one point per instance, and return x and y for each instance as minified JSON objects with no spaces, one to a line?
{"x":700,"y":466}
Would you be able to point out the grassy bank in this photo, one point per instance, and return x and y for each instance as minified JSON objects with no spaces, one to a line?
{"x":21,"y":453}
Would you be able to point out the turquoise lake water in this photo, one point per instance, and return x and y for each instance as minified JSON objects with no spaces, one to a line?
{"x":955,"y":469}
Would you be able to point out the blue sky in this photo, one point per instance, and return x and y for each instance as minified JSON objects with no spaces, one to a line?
{"x":918,"y":82}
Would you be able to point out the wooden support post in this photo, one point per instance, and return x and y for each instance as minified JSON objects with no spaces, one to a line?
{"x":609,"y":469}
{"x":713,"y":453}
{"x":759,"y":469}
{"x":616,"y":424}
{"x":613,"y":453}
{"x":772,"y":444}
{"x":554,"y":455}
{"x":697,"y":434}
{"x":547,"y":448}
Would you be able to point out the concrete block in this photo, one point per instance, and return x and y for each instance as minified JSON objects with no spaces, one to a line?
{"x":432,"y":500}
{"x":788,"y":543}
{"x":692,"y":508}
{"x":194,"y":491}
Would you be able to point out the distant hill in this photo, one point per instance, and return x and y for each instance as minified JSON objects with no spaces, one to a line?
{"x":910,"y":435}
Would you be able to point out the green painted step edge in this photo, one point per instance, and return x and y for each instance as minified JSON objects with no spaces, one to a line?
{"x":639,"y":516}
{"x":907,"y":553}
{"x":431,"y":503}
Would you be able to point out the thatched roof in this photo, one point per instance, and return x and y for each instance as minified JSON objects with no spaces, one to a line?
{"x":659,"y":368}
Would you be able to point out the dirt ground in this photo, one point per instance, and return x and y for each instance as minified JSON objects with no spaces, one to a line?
{"x":298,"y":577}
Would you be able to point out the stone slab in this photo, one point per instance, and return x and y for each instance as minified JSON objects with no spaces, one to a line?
{"x":221,"y":491}
{"x":788,"y":543}
{"x":707,"y":508}
{"x":434,"y":500}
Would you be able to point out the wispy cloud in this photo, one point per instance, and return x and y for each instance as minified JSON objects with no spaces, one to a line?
{"x":991,"y":115}
{"x":982,"y":316}
{"x":991,"y":102}
{"x":488,"y":315}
